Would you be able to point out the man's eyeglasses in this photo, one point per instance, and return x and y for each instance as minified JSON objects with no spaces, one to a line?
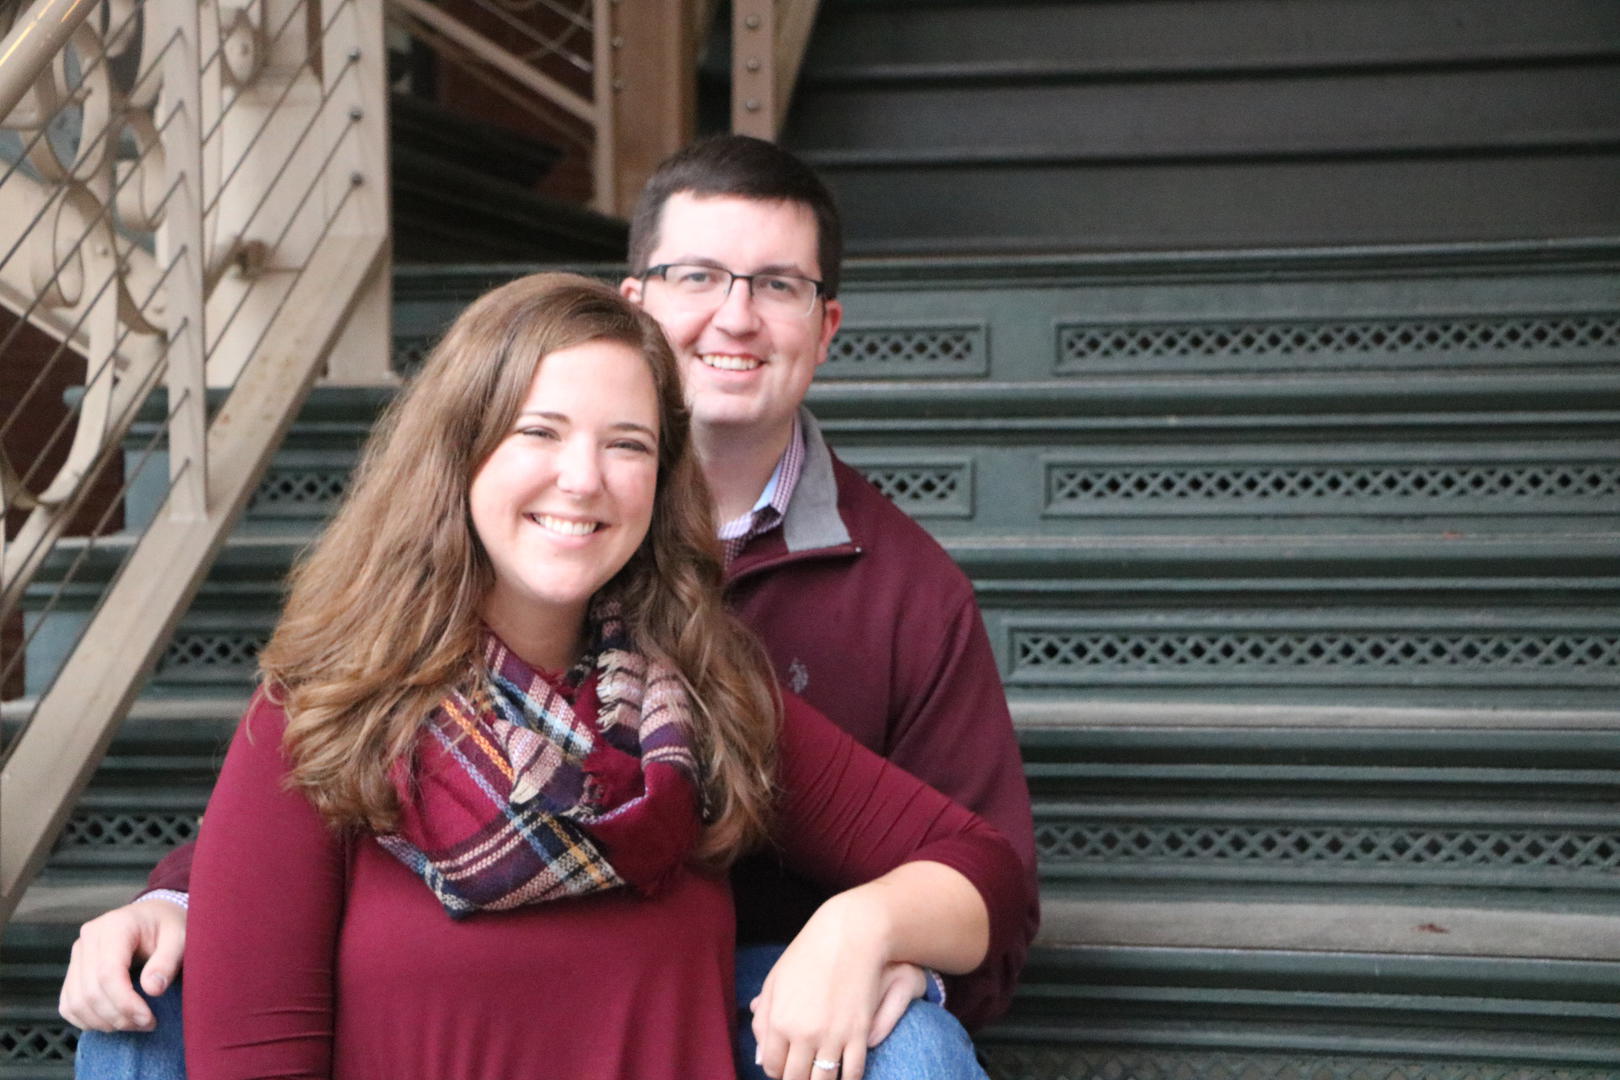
{"x":708,"y":286}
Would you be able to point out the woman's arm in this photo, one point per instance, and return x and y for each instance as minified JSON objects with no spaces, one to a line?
{"x":942,"y":890}
{"x":267,"y":899}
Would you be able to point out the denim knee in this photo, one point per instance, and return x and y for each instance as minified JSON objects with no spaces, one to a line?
{"x":927,"y":1042}
{"x":159,"y":1054}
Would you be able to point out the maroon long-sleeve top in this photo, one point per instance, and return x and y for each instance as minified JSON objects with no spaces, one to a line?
{"x":312,"y":954}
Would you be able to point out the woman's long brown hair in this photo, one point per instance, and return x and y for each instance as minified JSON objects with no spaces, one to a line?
{"x":382,"y":617}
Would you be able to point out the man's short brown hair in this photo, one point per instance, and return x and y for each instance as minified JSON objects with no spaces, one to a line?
{"x":746,"y":168}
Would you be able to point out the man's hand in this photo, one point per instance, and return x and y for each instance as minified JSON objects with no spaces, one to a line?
{"x":97,"y":994}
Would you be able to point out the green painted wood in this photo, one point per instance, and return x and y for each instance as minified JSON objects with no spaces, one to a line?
{"x":1034,"y":125}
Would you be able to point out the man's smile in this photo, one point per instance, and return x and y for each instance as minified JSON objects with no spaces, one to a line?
{"x":730,"y":361}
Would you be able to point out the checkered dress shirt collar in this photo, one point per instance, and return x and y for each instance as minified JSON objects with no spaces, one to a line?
{"x":767,"y":513}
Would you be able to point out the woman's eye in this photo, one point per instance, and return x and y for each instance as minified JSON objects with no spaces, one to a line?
{"x":537,"y":432}
{"x":634,"y":445}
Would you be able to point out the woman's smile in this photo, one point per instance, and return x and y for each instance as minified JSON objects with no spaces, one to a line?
{"x":565,"y":526}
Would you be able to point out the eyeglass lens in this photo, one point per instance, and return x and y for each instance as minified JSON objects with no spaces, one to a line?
{"x":776,"y":292}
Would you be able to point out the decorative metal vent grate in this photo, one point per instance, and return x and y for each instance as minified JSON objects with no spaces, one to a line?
{"x":1100,"y":842}
{"x":907,"y":353}
{"x":38,"y":1043}
{"x":193,"y":651}
{"x":1130,"y":1063}
{"x":88,"y":828}
{"x":1532,"y":486}
{"x":1321,"y":649}
{"x":1269,"y":343}
{"x":924,"y":490}
{"x":299,"y":491}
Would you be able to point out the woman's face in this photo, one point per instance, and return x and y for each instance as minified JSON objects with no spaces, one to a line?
{"x":566,"y":498}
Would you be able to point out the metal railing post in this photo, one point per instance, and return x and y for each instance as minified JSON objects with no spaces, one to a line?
{"x":355,"y":70}
{"x":180,"y":251}
{"x":753,"y":68}
{"x":604,"y":154}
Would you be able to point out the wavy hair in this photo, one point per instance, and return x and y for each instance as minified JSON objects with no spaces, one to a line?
{"x":382,"y":616}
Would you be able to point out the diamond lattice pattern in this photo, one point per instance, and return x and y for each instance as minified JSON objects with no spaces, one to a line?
{"x":95,"y":829}
{"x":1572,"y":651}
{"x":1524,"y":334}
{"x":916,"y":485}
{"x":1121,"y":1063}
{"x":286,"y":488}
{"x":910,"y":349}
{"x":37,"y":1043}
{"x":1530,"y":482}
{"x":1125,"y":842}
{"x":226,"y":650}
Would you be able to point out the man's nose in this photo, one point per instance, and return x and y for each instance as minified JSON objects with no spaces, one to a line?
{"x":736,"y":314}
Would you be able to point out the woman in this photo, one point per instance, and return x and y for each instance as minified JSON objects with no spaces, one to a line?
{"x":473,"y":826}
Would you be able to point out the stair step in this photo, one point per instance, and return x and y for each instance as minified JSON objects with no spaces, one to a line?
{"x":1060,"y":715}
{"x":1592,"y":937}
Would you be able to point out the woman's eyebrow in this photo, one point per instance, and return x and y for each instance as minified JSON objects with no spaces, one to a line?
{"x":631,"y":425}
{"x":619,"y":425}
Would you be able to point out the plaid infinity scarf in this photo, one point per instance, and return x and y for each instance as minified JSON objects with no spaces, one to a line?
{"x":510,"y":799}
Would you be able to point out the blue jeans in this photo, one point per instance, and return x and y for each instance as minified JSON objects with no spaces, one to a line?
{"x":928,"y":1042}
{"x":159,"y":1054}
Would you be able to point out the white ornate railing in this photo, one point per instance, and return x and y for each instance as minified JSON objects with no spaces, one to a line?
{"x":193,"y":199}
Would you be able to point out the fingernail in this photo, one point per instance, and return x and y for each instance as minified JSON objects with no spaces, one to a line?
{"x":161,"y":983}
{"x":758,"y":1057}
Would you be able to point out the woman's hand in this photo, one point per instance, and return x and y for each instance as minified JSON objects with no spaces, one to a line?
{"x":821,"y":1001}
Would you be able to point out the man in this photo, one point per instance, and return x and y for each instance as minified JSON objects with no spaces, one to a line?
{"x":735,"y":247}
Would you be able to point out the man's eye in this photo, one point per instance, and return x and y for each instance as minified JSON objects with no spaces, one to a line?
{"x":779,"y":286}
{"x":696,"y":277}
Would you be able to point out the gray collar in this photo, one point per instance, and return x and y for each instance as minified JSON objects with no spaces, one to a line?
{"x":812,"y":519}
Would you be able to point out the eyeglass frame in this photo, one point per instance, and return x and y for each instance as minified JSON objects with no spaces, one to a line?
{"x":820,"y":287}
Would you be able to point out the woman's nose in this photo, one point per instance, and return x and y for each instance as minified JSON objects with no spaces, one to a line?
{"x":578,"y":470}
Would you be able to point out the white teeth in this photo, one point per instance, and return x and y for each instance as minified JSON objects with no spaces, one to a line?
{"x":563,"y":525}
{"x":729,"y":363}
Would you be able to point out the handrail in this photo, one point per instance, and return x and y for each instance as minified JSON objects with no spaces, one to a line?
{"x":641,"y":60}
{"x":206,"y":213}
{"x":499,"y":58}
{"x":35,"y":40}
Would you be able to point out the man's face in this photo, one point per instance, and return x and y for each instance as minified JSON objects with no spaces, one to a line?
{"x":745,"y":369}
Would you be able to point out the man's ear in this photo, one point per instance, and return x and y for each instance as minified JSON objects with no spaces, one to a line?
{"x":630,"y":289}
{"x":832,"y":317}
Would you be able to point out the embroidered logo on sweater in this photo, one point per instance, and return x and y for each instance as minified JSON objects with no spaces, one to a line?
{"x":798,"y":676}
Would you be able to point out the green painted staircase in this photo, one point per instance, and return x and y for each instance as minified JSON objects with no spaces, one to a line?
{"x":947,"y":126}
{"x":1301,"y":567}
